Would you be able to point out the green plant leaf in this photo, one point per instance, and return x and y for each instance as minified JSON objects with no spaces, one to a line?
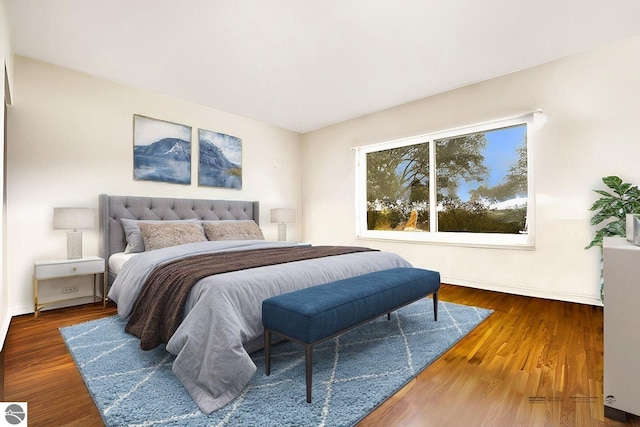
{"x":633,"y":197}
{"x":604,"y":193}
{"x":629,"y":208}
{"x":599,"y":217}
{"x":618,"y":209}
{"x":634,"y":192}
{"x":597,"y":239}
{"x":623,"y":188}
{"x":609,"y":207}
{"x":617,"y":228}
{"x":602,"y":203}
{"x":612,"y":182}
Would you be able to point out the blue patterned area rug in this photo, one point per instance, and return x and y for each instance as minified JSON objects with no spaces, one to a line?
{"x":352,"y":374}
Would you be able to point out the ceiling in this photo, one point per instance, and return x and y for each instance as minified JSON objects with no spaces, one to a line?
{"x":302,"y":64}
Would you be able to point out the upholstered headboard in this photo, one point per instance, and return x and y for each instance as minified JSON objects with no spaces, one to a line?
{"x":113,"y":208}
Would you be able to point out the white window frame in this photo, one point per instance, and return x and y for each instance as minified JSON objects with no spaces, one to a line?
{"x":493,"y":240}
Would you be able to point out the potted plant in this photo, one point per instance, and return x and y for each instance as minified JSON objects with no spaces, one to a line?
{"x":613,"y":207}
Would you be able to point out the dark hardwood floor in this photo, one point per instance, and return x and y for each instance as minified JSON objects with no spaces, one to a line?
{"x":534,"y":362}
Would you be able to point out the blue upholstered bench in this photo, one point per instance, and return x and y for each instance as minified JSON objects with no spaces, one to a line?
{"x":312,"y":315}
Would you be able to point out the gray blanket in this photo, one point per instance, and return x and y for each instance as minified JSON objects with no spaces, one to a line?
{"x":223,"y":320}
{"x":160,"y":305}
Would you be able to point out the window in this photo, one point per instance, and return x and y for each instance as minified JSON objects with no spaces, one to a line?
{"x":468,"y":186}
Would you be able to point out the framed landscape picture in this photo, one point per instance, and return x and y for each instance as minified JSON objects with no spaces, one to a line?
{"x":220,"y":160}
{"x":161,"y":151}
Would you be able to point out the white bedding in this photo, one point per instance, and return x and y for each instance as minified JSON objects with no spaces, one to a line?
{"x":117,"y":260}
{"x":223,"y":314}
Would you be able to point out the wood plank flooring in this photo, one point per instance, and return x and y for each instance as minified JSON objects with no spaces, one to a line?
{"x":534,"y":362}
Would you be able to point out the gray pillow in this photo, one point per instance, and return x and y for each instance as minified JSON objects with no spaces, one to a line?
{"x":132,"y":231}
{"x":232,"y":230}
{"x":164,"y":234}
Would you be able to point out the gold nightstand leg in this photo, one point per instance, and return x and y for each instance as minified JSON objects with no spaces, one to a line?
{"x":35,"y":297}
{"x":105,"y":284}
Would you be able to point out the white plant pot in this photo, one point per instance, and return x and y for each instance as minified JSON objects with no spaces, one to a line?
{"x":633,"y":228}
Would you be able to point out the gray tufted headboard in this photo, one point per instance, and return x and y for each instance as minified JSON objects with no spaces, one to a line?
{"x":112,"y":208}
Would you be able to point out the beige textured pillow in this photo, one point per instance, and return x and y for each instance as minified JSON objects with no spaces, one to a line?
{"x":232,"y":230}
{"x":159,"y":235}
{"x":132,"y":231}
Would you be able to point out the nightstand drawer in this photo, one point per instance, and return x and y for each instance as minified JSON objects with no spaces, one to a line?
{"x":54,"y":269}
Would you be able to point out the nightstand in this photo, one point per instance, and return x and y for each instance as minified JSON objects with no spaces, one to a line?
{"x":60,"y":268}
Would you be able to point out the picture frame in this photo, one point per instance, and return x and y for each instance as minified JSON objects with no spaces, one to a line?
{"x":220,"y":160}
{"x":161,"y":151}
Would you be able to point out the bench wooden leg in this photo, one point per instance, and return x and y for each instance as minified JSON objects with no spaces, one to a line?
{"x":308,"y":366}
{"x":267,"y":351}
{"x":435,"y":306}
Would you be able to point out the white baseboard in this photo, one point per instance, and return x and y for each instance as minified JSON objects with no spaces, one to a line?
{"x":496,"y":287}
{"x":5,"y":322}
{"x":27,"y":309}
{"x":524,"y":291}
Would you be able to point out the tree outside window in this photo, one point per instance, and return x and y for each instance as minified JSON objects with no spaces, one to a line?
{"x":479,"y":182}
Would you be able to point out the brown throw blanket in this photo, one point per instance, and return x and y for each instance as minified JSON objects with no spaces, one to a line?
{"x":159,"y":308}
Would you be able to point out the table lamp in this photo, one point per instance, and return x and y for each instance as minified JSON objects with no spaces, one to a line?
{"x":282,"y":216}
{"x":73,"y":219}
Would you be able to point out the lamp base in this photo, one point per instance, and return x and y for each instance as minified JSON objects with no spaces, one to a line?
{"x":282,"y":232}
{"x":74,"y":244}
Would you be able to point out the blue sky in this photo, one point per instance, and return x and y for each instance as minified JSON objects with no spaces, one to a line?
{"x":499,"y":153}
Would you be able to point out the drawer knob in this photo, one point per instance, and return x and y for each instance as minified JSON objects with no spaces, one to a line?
{"x":75,"y":268}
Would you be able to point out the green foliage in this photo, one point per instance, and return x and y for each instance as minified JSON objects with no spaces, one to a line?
{"x":382,"y":181}
{"x":613,"y":207}
{"x":475,"y":217}
{"x":456,"y":216}
{"x":398,"y":182}
{"x":403,"y":172}
{"x":497,"y":193}
{"x":460,"y":158}
{"x":394,"y":215}
{"x":517,"y":176}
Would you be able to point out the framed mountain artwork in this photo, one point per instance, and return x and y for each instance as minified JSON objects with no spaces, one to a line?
{"x":220,"y":162}
{"x":161,"y":151}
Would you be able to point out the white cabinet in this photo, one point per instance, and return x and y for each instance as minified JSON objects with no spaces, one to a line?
{"x":55,"y":269}
{"x":621,"y":327}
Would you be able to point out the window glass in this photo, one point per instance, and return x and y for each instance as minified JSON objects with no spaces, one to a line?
{"x":398,"y":188}
{"x":481,"y":181}
{"x":469,"y":185}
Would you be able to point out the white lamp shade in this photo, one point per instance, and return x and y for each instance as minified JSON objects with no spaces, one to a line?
{"x":73,"y":218}
{"x":283,"y":215}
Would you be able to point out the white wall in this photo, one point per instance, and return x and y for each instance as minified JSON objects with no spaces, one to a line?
{"x":591,"y":103}
{"x":5,"y":63}
{"x":70,"y":139}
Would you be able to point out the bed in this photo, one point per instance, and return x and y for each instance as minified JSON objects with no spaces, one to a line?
{"x":218,"y":323}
